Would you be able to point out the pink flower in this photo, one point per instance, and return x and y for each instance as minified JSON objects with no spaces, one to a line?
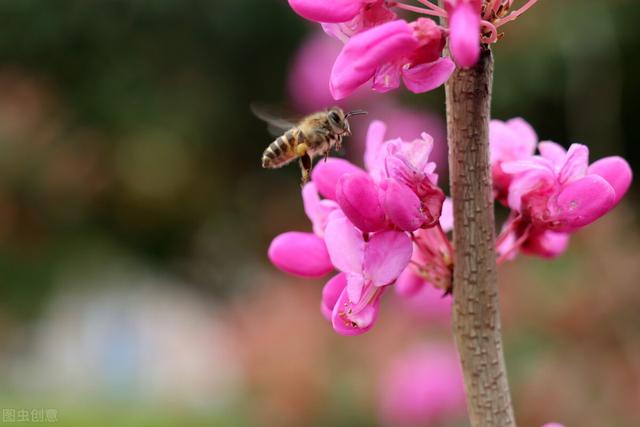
{"x":511,"y":140}
{"x":389,"y":52}
{"x":422,"y":387}
{"x":360,"y":228}
{"x":369,"y":265}
{"x":553,"y":194}
{"x":557,"y":191}
{"x":553,"y":425}
{"x":464,"y":31}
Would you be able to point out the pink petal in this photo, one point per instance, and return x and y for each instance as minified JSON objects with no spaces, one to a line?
{"x":425,"y":77}
{"x":317,"y":210}
{"x":375,"y":139}
{"x":582,"y":202}
{"x":553,"y":152}
{"x":357,"y":196}
{"x":355,"y":285}
{"x":327,"y":173}
{"x":616,"y":171}
{"x":345,"y":245}
{"x":553,"y":425}
{"x":331,"y":292}
{"x":464,"y":34}
{"x":386,"y":254}
{"x":300,"y":254}
{"x":547,"y":244}
{"x":325,"y":11}
{"x":365,"y":52}
{"x":355,"y":323}
{"x":401,"y":205}
{"x":527,"y":136}
{"x":540,"y":180}
{"x":575,"y":165}
{"x":409,"y":283}
{"x":446,"y":216}
{"x":387,"y":77}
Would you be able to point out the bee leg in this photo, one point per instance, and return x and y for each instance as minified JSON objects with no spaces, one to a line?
{"x":326,"y":156}
{"x":305,"y":166}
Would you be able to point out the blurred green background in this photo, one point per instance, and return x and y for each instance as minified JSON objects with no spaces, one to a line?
{"x":135,"y":217}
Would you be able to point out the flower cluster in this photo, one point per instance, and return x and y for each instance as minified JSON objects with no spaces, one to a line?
{"x":385,"y":50}
{"x":552,"y":194}
{"x":372,"y":226}
{"x":387,"y":224}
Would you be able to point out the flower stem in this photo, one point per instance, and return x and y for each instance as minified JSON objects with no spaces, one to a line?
{"x":476,"y":314}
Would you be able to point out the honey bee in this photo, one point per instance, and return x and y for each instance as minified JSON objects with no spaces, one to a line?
{"x":315,"y":135}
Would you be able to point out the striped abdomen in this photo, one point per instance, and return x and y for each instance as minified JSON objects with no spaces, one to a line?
{"x":281,"y":151}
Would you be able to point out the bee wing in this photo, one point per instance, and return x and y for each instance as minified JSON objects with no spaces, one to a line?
{"x":276,"y":124}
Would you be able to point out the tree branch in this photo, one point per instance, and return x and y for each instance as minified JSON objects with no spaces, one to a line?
{"x":476,"y":316}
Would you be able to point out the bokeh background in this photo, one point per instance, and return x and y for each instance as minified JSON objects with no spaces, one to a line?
{"x":135,"y":217}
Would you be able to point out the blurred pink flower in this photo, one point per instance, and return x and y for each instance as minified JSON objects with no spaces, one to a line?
{"x":424,"y":301}
{"x":422,"y":386}
{"x":512,"y":140}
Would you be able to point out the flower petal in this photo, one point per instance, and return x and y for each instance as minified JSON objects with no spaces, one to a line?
{"x":357,"y":196}
{"x":464,"y":34}
{"x":575,"y":165}
{"x":300,"y":254}
{"x":401,"y":205}
{"x":331,"y":292}
{"x":355,"y":285}
{"x":553,"y":152}
{"x":582,"y":202}
{"x":327,"y":173}
{"x":345,"y":245}
{"x":425,"y":77}
{"x":375,"y":139}
{"x":527,"y":137}
{"x":547,"y":244}
{"x":386,"y":255}
{"x":446,"y":216}
{"x":616,"y":171}
{"x":409,"y":283}
{"x":317,"y":210}
{"x":365,"y":52}
{"x":355,"y":323}
{"x":324,"y":11}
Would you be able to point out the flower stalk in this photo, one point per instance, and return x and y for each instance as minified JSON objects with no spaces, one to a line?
{"x":476,"y":313}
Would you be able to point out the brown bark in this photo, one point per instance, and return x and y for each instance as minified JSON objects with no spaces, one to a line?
{"x":476,"y":316}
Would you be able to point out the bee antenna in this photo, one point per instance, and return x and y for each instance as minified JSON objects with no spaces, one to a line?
{"x":355,"y":113}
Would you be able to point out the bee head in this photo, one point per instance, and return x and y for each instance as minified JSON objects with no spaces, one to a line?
{"x":338,"y":119}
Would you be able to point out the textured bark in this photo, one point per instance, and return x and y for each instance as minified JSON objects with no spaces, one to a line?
{"x":476,"y":315}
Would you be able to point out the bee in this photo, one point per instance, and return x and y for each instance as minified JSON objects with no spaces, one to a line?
{"x":315,"y":135}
